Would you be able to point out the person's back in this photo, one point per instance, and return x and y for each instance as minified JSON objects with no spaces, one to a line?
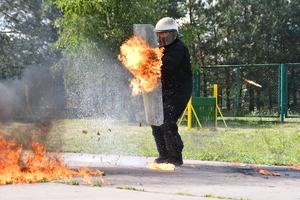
{"x":176,"y":69}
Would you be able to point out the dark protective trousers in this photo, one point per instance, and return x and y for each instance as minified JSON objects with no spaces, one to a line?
{"x":166,"y":136}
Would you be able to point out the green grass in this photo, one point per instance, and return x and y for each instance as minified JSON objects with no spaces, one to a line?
{"x":68,"y":182}
{"x":73,"y":183}
{"x":183,"y":194}
{"x":97,"y":184}
{"x":221,"y":197}
{"x":254,"y":141}
{"x":262,"y":144}
{"x":130,"y":188}
{"x":44,"y":181}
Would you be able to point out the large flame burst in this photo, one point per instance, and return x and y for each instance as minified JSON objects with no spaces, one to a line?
{"x":143,"y":62}
{"x":19,"y":166}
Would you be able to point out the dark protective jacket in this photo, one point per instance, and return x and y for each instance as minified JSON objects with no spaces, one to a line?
{"x":176,"y":80}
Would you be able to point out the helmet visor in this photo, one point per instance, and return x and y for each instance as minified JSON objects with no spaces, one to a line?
{"x":166,"y":38}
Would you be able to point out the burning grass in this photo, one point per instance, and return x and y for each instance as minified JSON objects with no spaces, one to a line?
{"x":19,"y":166}
{"x":263,"y":171}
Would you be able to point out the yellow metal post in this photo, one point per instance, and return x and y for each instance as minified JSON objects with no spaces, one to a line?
{"x":189,"y":114}
{"x":216,"y":92}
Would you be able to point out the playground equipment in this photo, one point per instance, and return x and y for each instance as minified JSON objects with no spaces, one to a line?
{"x":202,"y":112}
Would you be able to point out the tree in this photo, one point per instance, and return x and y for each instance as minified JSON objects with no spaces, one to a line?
{"x":243,"y":32}
{"x":26,"y":36}
{"x":91,"y":33}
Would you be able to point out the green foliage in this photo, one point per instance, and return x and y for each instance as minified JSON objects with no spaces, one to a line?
{"x":91,"y":33}
{"x":243,"y":32}
{"x":25,"y":36}
{"x":107,"y":23}
{"x":130,"y":188}
{"x":73,"y":183}
{"x":97,"y":184}
{"x":222,"y":197}
{"x":183,"y":194}
{"x":61,"y":182}
{"x":68,"y":182}
{"x":44,"y":181}
{"x":217,"y":32}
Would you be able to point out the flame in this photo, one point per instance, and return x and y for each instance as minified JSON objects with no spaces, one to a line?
{"x":161,"y":166}
{"x":237,"y":163}
{"x":143,"y":62}
{"x":295,"y":166}
{"x":262,"y":171}
{"x":18,"y":166}
{"x":251,"y":82}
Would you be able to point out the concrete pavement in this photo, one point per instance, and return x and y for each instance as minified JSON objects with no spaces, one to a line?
{"x":193,"y":180}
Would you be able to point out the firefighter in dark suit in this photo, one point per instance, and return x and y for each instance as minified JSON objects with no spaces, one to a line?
{"x":176,"y":91}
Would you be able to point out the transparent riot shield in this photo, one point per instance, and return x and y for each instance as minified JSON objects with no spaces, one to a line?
{"x":153,"y":103}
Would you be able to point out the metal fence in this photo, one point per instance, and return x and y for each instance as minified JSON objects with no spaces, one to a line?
{"x":254,"y":90}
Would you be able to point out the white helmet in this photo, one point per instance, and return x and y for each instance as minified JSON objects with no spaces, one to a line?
{"x":167,"y":25}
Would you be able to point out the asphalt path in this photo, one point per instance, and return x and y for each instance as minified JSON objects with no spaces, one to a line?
{"x":127,"y":177}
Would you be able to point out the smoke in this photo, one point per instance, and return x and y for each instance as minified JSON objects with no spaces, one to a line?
{"x":7,"y":103}
{"x":92,"y":86}
{"x":31,"y":100}
{"x":97,"y":86}
{"x":99,"y":90}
